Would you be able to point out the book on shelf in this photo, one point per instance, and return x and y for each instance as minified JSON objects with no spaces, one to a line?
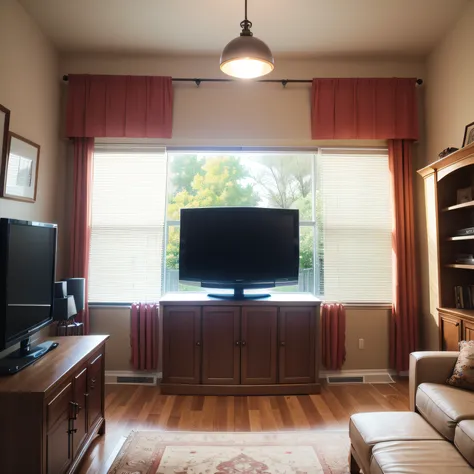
{"x":464,"y":297}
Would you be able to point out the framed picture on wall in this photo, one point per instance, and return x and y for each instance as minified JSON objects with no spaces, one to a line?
{"x":20,"y":169}
{"x":4,"y":124}
{"x":468,"y":135}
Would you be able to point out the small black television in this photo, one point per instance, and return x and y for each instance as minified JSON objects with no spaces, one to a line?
{"x":239,"y":248}
{"x":27,"y":276}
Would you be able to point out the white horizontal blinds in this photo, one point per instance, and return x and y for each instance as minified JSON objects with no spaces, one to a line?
{"x":128,"y":215}
{"x":357,"y":226}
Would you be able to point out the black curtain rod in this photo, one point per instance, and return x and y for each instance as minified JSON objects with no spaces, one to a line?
{"x":283,"y":82}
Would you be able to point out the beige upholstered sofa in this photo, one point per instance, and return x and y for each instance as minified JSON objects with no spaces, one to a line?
{"x":436,"y":437}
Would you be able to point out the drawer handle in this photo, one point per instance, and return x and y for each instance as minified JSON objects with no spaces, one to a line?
{"x":93,"y":381}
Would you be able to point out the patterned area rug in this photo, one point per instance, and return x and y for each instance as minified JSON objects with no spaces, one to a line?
{"x":301,"y":452}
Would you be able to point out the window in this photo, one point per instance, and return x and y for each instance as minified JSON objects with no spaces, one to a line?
{"x":356,"y":224}
{"x":343,"y":198}
{"x":128,"y":216}
{"x":241,"y":179}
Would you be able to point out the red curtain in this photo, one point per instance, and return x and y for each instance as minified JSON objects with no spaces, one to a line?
{"x":81,"y":217}
{"x":144,"y":337}
{"x":404,"y":322}
{"x":382,"y":108}
{"x":333,"y":335}
{"x":119,"y":106}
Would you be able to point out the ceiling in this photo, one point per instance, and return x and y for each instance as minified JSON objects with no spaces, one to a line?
{"x":296,"y":27}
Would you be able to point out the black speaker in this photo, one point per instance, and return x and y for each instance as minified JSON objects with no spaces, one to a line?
{"x":64,"y":308}
{"x":77,"y":288}
{"x":60,"y":289}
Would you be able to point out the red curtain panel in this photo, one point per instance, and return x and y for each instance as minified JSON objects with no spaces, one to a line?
{"x":81,"y":217}
{"x":404,"y":331}
{"x":144,"y":336}
{"x":119,"y":106}
{"x":333,"y":335}
{"x":364,"y":108}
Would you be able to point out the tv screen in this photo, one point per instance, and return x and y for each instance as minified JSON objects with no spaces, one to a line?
{"x":27,"y":275}
{"x":239,"y":246}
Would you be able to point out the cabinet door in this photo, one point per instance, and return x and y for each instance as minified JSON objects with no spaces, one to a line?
{"x":450,"y":332}
{"x":259,"y":345}
{"x":221,"y":345}
{"x":95,"y":387}
{"x":79,"y":412}
{"x":182,"y":344}
{"x":296,"y":356}
{"x":58,"y":438}
{"x":468,"y":331}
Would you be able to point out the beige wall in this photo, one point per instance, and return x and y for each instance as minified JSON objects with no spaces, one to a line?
{"x":449,"y":108}
{"x":253,"y":115}
{"x":30,"y":88}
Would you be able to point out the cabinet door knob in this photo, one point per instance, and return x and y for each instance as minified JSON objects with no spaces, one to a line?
{"x":237,"y":343}
{"x":72,"y":431}
{"x":456,"y":324}
{"x":198,"y":343}
{"x":282,"y":343}
{"x":244,"y":343}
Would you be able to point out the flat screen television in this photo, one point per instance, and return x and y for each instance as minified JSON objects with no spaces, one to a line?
{"x":239,"y":248}
{"x":27,"y":275}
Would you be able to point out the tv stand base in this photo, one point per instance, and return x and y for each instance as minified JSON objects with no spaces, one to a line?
{"x":21,"y":358}
{"x":239,"y":295}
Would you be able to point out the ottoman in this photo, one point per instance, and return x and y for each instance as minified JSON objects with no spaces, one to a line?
{"x":368,"y":429}
{"x":422,"y":457}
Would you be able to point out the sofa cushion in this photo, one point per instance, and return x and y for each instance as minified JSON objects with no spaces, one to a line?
{"x":464,"y":440}
{"x":444,"y":406}
{"x":463,"y":372}
{"x":421,"y":457}
{"x":367,"y":429}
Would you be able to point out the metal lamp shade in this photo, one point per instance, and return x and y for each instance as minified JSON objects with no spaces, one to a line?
{"x":247,"y":57}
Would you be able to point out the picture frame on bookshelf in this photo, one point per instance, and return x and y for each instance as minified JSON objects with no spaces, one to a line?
{"x":468,"y":135}
{"x":464,"y":195}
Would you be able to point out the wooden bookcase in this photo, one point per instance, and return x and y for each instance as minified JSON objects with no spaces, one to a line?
{"x":444,"y":218}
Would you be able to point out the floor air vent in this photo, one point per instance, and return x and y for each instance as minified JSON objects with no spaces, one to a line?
{"x":343,"y":379}
{"x":131,"y":378}
{"x":135,"y":380}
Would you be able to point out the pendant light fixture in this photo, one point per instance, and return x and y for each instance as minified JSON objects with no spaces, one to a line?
{"x":246,"y":57}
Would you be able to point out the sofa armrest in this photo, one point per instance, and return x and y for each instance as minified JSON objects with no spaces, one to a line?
{"x":431,"y":367}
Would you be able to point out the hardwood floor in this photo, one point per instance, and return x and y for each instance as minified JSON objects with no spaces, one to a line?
{"x":134,"y":407}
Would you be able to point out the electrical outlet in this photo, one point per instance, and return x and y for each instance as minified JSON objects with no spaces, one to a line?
{"x":361,"y":343}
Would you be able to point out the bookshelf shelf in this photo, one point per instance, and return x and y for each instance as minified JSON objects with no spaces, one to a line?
{"x":461,"y":266}
{"x":461,"y":237}
{"x":458,"y":206}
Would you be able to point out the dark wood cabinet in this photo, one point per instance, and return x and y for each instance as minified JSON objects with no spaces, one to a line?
{"x":240,"y":347}
{"x":221,"y":345}
{"x":259,"y":345}
{"x":468,"y":331}
{"x":450,"y":332}
{"x":47,"y":408}
{"x":95,"y":384}
{"x":182,"y":345}
{"x":296,"y":336}
{"x":79,"y":410}
{"x":58,"y":412}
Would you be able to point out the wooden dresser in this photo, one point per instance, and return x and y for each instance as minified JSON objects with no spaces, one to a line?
{"x":51,"y":411}
{"x":445,"y":219}
{"x":240,"y":347}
